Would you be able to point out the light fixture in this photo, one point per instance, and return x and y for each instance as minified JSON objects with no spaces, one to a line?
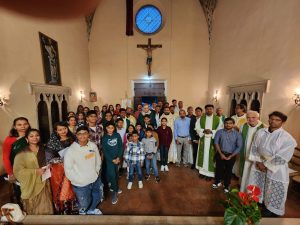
{"x":2,"y":101}
{"x":81,"y":96}
{"x":297,"y":97}
{"x":215,"y":97}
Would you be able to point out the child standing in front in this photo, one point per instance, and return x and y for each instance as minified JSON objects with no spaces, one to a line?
{"x":150,"y":146}
{"x":112,"y":147}
{"x":165,"y":139}
{"x":134,"y":157}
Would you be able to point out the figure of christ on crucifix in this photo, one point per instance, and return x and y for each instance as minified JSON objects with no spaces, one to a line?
{"x":149,"y":48}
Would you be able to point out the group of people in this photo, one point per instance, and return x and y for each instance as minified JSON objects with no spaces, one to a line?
{"x":93,"y":148}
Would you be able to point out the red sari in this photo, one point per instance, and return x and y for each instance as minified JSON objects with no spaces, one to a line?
{"x":62,"y":192}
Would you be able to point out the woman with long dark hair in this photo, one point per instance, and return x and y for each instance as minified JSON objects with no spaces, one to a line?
{"x":29,"y":167}
{"x":63,"y":195}
{"x":13,"y":144}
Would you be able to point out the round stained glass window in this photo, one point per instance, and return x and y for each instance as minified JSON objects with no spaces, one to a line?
{"x":148,"y":19}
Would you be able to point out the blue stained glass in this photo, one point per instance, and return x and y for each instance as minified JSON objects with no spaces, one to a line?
{"x":148,"y":19}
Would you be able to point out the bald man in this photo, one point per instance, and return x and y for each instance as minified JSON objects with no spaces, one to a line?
{"x":248,"y":131}
{"x":146,"y":111}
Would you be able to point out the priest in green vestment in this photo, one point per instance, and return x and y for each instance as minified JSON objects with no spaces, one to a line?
{"x":206,"y":128}
{"x":248,"y":131}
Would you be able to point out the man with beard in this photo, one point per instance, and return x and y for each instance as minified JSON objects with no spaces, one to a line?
{"x":271,"y":151}
{"x":206,"y":128}
{"x":194,"y":136}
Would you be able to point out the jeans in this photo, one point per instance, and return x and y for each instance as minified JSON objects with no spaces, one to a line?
{"x":154,"y":165}
{"x":89,"y":196}
{"x":138,"y":169}
{"x":224,"y":169}
{"x":164,"y":152}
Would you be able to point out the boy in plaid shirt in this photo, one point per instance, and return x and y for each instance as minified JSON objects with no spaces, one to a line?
{"x":134,"y":156}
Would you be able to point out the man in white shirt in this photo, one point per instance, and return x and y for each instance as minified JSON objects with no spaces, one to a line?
{"x":82,"y":164}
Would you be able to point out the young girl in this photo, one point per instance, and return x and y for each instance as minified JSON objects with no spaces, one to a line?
{"x":30,"y":165}
{"x":81,"y":119}
{"x":165,"y":137}
{"x":140,"y":131}
{"x":72,"y":124}
{"x":13,"y":144}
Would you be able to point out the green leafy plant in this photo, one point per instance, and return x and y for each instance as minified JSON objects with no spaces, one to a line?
{"x":242,"y":208}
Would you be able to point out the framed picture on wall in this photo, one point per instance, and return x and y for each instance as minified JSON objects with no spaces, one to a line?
{"x":50,"y":58}
{"x":93,"y":97}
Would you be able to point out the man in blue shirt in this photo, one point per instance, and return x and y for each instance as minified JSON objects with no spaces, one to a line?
{"x":182,"y":138}
{"x":228,"y":143}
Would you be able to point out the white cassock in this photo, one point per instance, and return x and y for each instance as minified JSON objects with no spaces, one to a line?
{"x":248,"y":163}
{"x":172,"y":156}
{"x":275,"y":150}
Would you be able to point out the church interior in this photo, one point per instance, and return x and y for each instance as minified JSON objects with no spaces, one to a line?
{"x":220,"y":52}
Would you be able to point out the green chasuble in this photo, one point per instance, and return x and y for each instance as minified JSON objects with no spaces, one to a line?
{"x":201,"y":159}
{"x":244,"y":131}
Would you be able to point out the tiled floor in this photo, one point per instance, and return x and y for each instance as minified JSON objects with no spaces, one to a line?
{"x":180,"y":192}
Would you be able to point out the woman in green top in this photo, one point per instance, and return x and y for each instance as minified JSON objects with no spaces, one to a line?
{"x":29,"y":166}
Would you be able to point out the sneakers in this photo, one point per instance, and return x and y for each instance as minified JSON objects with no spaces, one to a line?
{"x":119,"y":190}
{"x":157,"y":179}
{"x":166,"y":168}
{"x":114,"y":198}
{"x":82,"y":211}
{"x":129,"y":185}
{"x":215,"y":186}
{"x":94,"y":212}
{"x":147,"y":177}
{"x":140,"y":184}
{"x":162,"y":168}
{"x":226,"y":190}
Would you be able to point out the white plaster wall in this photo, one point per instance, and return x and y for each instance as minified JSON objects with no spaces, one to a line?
{"x":21,"y":63}
{"x":255,"y":40}
{"x":183,"y":61}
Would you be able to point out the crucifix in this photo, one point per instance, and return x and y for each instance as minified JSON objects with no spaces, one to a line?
{"x":149,"y":48}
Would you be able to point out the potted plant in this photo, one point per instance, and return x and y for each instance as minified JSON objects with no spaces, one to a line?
{"x":242,"y":208}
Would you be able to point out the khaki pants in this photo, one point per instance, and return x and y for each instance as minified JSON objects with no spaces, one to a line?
{"x":183,"y":148}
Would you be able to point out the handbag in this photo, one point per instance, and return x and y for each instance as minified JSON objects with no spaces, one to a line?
{"x":11,"y":212}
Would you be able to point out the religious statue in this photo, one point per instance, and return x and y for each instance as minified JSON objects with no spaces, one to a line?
{"x":149,"y":48}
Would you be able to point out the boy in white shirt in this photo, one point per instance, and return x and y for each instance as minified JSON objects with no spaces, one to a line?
{"x":82,"y":167}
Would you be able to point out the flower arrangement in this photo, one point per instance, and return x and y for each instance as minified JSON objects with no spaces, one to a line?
{"x":242,"y":208}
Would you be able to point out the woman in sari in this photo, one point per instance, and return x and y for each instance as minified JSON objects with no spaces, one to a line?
{"x":29,"y":166}
{"x":63,"y":195}
{"x":13,"y":144}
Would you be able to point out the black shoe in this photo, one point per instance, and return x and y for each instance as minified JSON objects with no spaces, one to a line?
{"x":201,"y":176}
{"x":147,"y":177}
{"x":208,"y":178}
{"x":157,"y":179}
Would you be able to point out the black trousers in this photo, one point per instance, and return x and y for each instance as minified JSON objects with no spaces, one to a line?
{"x":164,"y":152}
{"x":224,"y":169}
{"x":195,"y":151}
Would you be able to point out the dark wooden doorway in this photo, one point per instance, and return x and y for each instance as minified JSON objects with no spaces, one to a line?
{"x":148,"y":93}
